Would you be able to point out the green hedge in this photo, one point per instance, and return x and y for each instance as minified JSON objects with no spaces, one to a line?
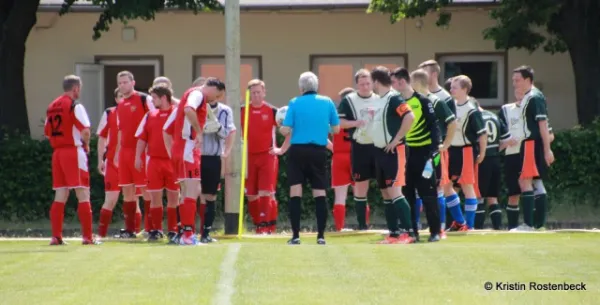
{"x":26,"y":195}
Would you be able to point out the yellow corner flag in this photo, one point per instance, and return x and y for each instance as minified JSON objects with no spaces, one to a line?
{"x":243,"y":169}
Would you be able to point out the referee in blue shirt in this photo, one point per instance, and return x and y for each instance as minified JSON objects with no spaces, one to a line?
{"x":310,"y":118}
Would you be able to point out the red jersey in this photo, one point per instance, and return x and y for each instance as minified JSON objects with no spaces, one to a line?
{"x":177,"y":125}
{"x":108,"y":129}
{"x":341,"y":142}
{"x":260,"y":127}
{"x":65,"y":119}
{"x":151,"y":132}
{"x":130,"y":112}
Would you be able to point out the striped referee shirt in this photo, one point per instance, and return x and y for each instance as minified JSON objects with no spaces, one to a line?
{"x":213,"y":144}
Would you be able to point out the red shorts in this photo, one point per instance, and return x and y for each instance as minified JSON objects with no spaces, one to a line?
{"x":128,"y":175}
{"x":186,"y":161}
{"x":341,"y":169}
{"x":261,"y":173}
{"x":70,"y":168}
{"x":160,"y":175}
{"x":111,"y":177}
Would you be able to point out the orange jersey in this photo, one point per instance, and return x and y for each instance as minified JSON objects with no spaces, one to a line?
{"x":261,"y":124}
{"x":341,"y":142}
{"x":151,"y":132}
{"x":65,"y":119}
{"x":130,"y":112}
{"x":177,"y":125}
{"x":108,"y":129}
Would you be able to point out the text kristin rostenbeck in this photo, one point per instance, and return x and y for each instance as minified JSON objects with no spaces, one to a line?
{"x":517,"y":286}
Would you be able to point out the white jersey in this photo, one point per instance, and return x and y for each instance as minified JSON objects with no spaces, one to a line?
{"x":378,"y":131}
{"x":464,"y":114}
{"x":365,"y":109}
{"x":512,"y":116}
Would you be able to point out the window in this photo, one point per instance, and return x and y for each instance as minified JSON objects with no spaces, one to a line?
{"x":337,"y":72}
{"x":487,"y":72}
{"x":215,"y":67}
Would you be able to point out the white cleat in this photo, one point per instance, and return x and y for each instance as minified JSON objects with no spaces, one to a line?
{"x":522,"y":228}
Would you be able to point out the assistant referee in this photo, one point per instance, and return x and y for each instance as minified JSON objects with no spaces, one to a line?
{"x":309,"y":119}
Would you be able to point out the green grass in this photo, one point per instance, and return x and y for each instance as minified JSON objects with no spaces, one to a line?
{"x":349,"y":270}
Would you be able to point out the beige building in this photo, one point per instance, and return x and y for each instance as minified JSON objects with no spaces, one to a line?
{"x":278,"y":42}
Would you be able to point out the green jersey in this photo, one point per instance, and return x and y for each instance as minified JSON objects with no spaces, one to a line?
{"x":424,"y":130}
{"x":496,"y":131}
{"x":394,"y":110}
{"x":534,"y":111}
{"x":470,"y":124}
{"x":443,"y":113}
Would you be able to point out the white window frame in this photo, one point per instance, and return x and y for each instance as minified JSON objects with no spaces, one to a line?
{"x":253,"y":61}
{"x":501,"y":73}
{"x":357,"y":61}
{"x":133,"y":62}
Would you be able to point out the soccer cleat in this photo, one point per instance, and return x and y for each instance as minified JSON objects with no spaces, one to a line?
{"x":443,"y":234}
{"x":189,"y":240}
{"x":173,"y":238}
{"x":346,"y":230}
{"x":124,"y":234}
{"x":522,"y":228}
{"x":207,"y":240}
{"x":457,"y":227}
{"x":405,"y":238}
{"x":390,"y":240}
{"x":294,"y":241}
{"x":90,"y":242}
{"x":154,"y":236}
{"x":57,"y":241}
{"x":143,"y":234}
{"x":434,"y":238}
{"x":321,"y":241}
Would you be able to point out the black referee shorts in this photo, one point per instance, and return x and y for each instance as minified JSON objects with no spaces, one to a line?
{"x":489,"y":177}
{"x":512,"y":171}
{"x":210,"y":174}
{"x":308,"y":162}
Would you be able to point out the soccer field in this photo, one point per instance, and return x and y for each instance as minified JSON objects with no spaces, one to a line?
{"x":349,"y":270}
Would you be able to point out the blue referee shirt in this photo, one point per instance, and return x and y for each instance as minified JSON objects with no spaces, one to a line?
{"x":310,"y":117}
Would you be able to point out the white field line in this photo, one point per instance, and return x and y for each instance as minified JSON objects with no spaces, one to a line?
{"x":226,"y":284}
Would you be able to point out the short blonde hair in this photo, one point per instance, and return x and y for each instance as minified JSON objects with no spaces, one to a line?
{"x":431,"y":66}
{"x":464,"y":82}
{"x":420,"y":76}
{"x":71,"y":81}
{"x":256,"y":82}
{"x":362,"y":73}
{"x":162,"y":80}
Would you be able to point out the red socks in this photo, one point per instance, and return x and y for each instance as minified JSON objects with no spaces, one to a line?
{"x":201,"y":213}
{"x":368,"y":214}
{"x":129,"y":213}
{"x":148,"y":224}
{"x":156,"y":217}
{"x":172,"y":219}
{"x":187,"y":212}
{"x":264,"y":204}
{"x":57,"y":215}
{"x":253,"y":209}
{"x":84,"y":211}
{"x":105,"y":219}
{"x":339,"y":216}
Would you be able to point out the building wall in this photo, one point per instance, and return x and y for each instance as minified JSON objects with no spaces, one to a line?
{"x":284,"y":41}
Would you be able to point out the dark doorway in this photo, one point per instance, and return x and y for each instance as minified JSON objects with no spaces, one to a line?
{"x":143,"y":74}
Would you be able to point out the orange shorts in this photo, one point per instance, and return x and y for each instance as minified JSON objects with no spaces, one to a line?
{"x":533,"y":162}
{"x":441,"y":170}
{"x":341,"y":169}
{"x":70,"y":168}
{"x":261,"y":173}
{"x":128,"y":174}
{"x":160,"y":175}
{"x":462,"y":168}
{"x":111,"y":177}
{"x":186,"y":162}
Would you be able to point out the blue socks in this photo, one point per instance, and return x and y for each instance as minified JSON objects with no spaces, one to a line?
{"x":453,"y":204}
{"x":417,"y":211}
{"x":442,"y":206}
{"x":470,"y":211}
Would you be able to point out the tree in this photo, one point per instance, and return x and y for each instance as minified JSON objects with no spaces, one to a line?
{"x":17,"y":18}
{"x":555,"y":26}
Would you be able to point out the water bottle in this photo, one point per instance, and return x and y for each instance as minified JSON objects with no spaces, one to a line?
{"x":428,"y":171}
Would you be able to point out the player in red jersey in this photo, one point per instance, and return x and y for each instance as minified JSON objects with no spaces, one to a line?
{"x":130,"y":112}
{"x":67,"y":126}
{"x":159,"y":167}
{"x":183,"y":139}
{"x":260,"y":182}
{"x":107,"y":144}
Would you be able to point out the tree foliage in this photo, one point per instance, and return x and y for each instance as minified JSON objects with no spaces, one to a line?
{"x":145,"y":10}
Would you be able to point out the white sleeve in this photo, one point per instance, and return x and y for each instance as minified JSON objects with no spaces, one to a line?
{"x":149,"y":104}
{"x":170,"y":119}
{"x":82,"y":116}
{"x":103,"y":123}
{"x":142,"y":125}
{"x":195,"y":99}
{"x":230,"y":125}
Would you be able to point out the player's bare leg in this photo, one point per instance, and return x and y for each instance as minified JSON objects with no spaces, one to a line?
{"x":527,"y":199}
{"x":339,"y":207}
{"x":106,"y":213}
{"x":188,"y":212}
{"x":360,"y":191}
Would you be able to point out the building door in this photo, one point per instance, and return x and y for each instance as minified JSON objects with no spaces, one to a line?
{"x":143,"y":75}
